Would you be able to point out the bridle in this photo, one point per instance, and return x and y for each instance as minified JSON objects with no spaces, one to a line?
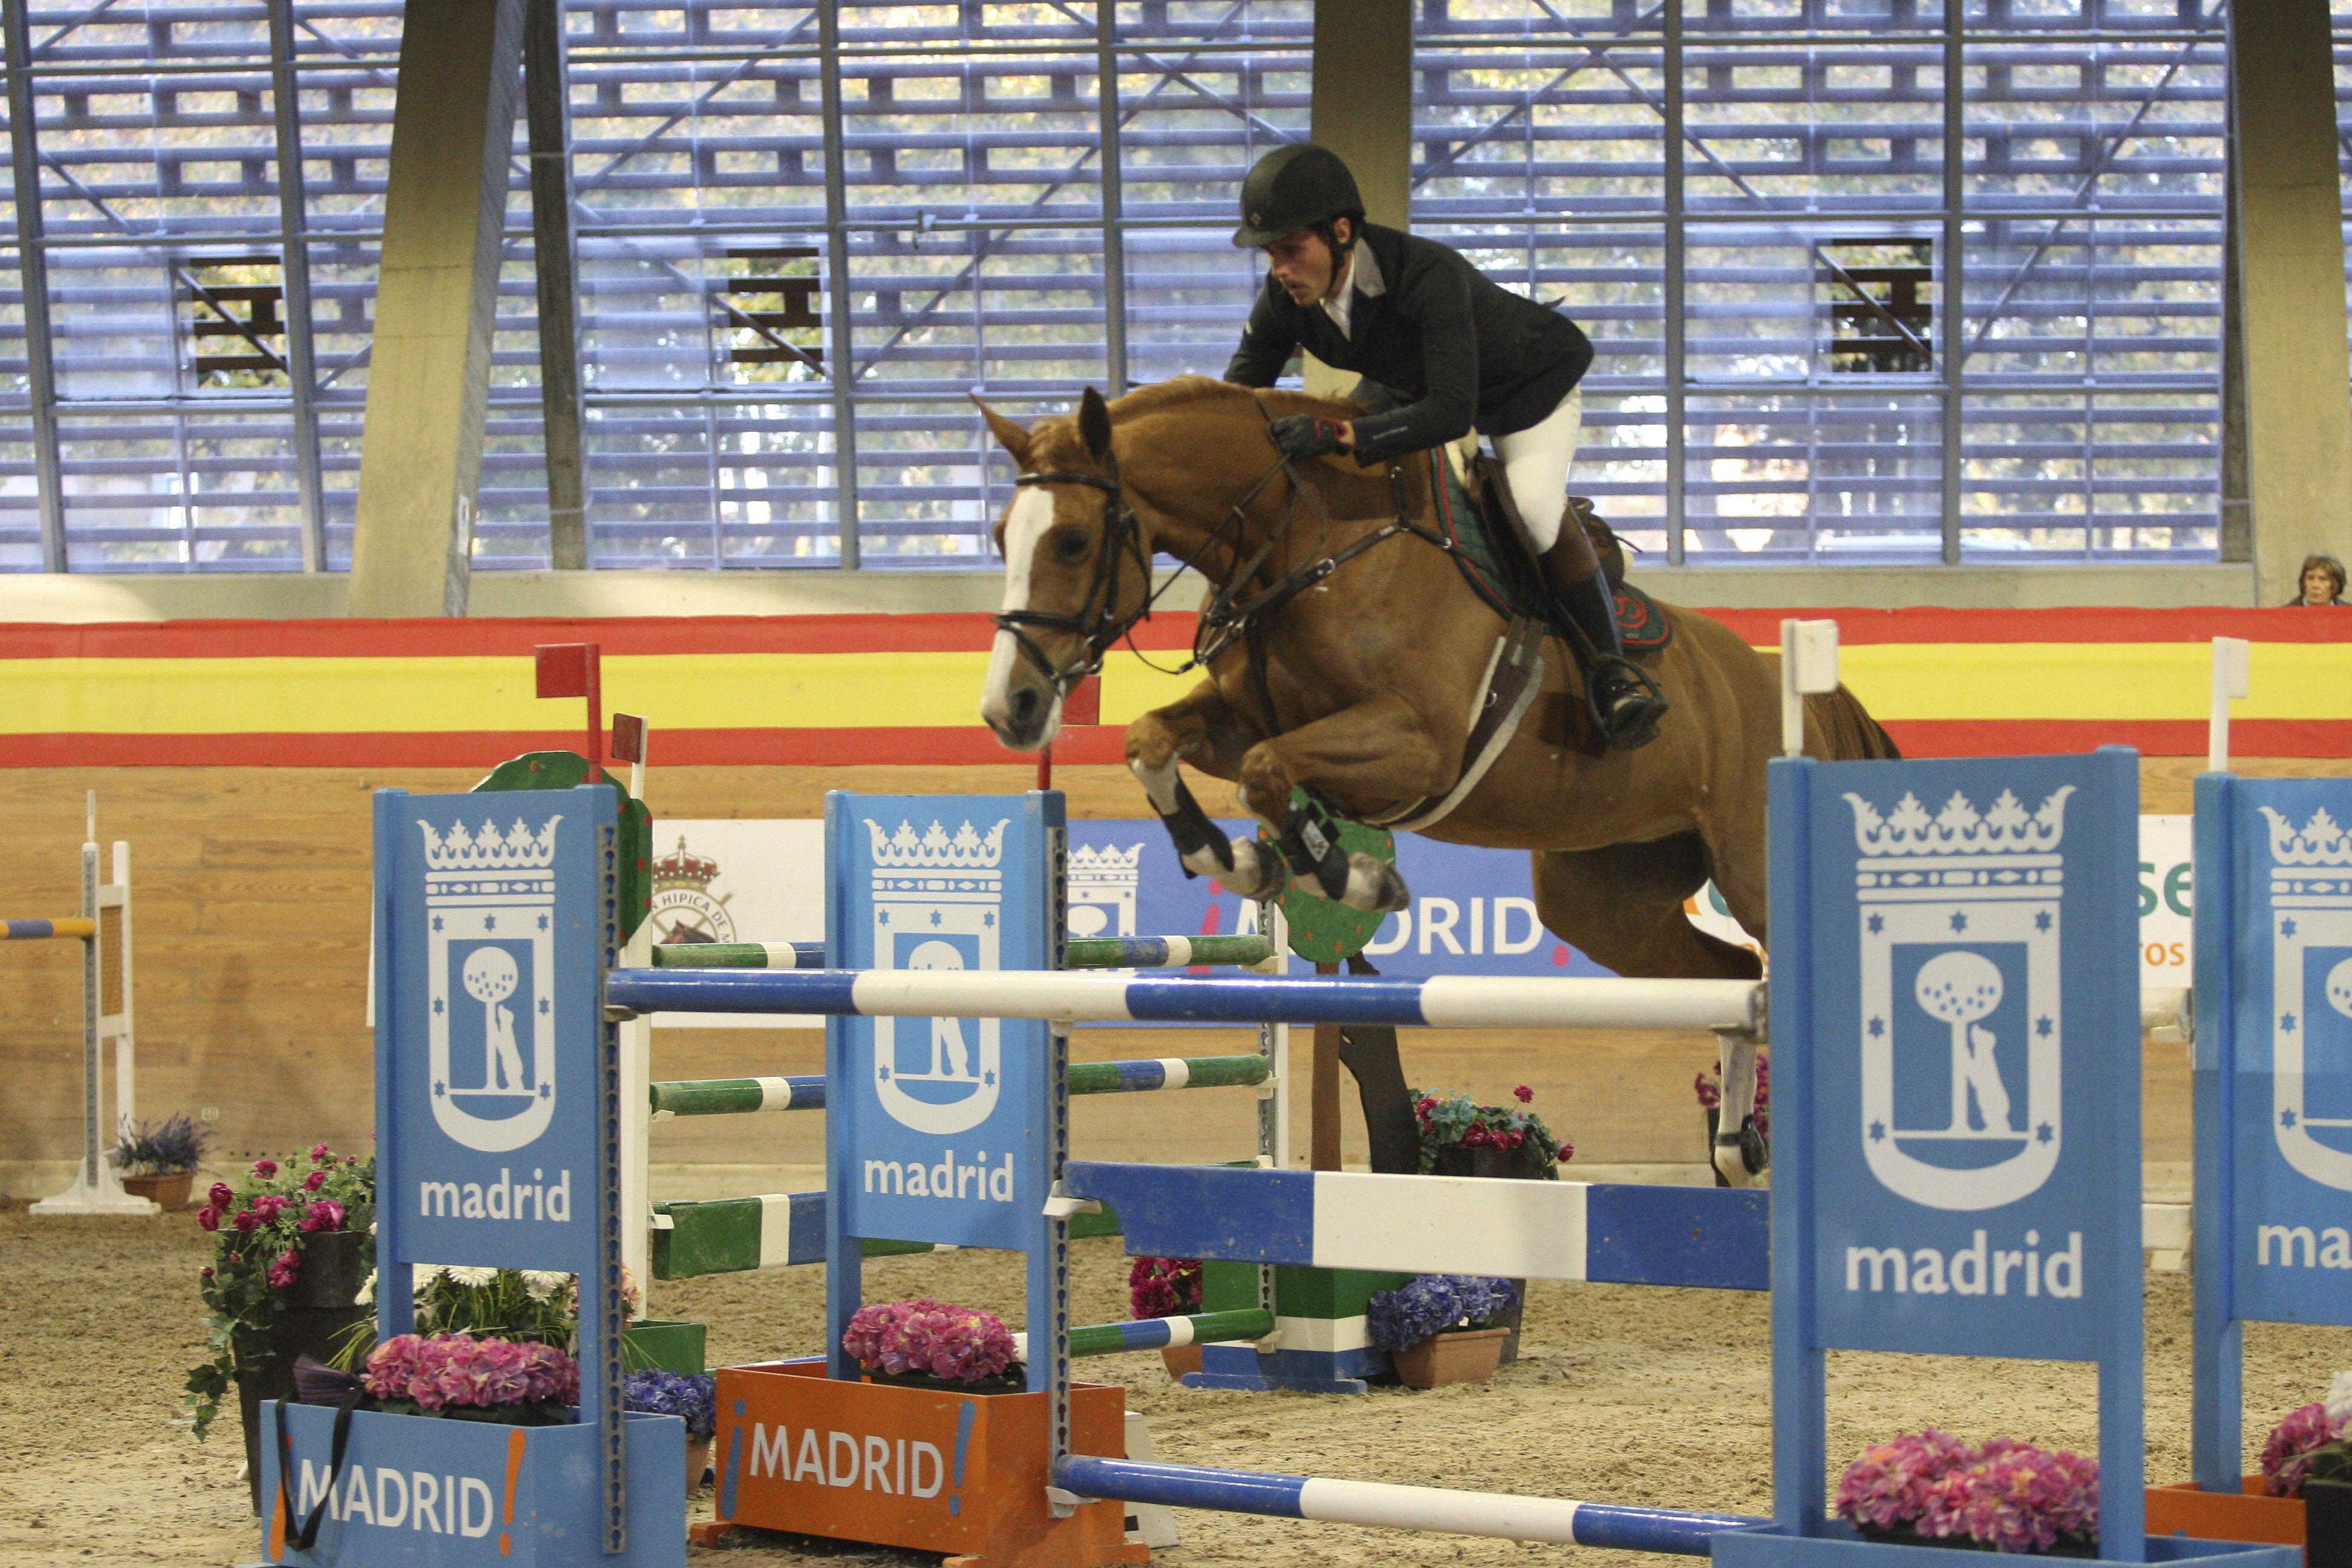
{"x":1100,"y":625}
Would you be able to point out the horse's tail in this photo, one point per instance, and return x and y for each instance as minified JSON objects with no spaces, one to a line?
{"x":1854,"y":736}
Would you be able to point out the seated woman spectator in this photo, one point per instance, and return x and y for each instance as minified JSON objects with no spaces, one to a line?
{"x":2323,"y":580}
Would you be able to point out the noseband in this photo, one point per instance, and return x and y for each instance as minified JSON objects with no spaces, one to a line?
{"x":1099,"y":624}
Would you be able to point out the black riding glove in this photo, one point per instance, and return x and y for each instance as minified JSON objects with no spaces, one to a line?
{"x":1302,"y":435}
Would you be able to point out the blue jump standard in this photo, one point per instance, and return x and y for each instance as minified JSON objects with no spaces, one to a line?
{"x":1684,"y":1532}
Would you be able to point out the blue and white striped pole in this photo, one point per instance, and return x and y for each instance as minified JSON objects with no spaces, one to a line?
{"x":1441,"y":1001}
{"x":1681,"y":1531}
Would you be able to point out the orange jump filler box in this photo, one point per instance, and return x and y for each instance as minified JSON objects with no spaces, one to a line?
{"x":927,"y":1470}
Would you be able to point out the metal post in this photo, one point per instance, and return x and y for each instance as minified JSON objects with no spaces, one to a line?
{"x":1676,"y":501}
{"x":40,"y":367}
{"x":841,"y":365}
{"x":547,"y":100}
{"x":1950,"y":292}
{"x":1114,"y":241}
{"x":301,"y":362}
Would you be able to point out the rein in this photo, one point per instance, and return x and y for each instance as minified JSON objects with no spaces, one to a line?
{"x":1100,"y":626}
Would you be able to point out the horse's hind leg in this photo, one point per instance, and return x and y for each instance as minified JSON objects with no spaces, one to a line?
{"x":1622,"y":905}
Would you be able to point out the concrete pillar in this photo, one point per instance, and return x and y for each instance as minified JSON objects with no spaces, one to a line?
{"x":2288,"y":230}
{"x":1361,"y":109}
{"x":1361,"y":106}
{"x":429,"y":366}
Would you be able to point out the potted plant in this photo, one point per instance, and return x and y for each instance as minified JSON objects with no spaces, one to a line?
{"x":934,"y":1344}
{"x":1167,"y":1288}
{"x":1459,"y":1137}
{"x":293,"y":1241}
{"x":692,"y":1397}
{"x":2288,"y":1502}
{"x":160,"y":1162}
{"x":1709,"y":1089}
{"x":1441,"y":1328}
{"x":1933,"y":1489}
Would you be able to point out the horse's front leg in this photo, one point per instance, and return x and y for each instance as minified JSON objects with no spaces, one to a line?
{"x":1203,"y":729}
{"x":1378,"y":753}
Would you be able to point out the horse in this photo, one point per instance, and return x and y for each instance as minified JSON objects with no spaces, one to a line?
{"x":1343,"y":653}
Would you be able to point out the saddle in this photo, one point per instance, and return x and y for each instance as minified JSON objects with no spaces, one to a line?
{"x":1498,"y":561}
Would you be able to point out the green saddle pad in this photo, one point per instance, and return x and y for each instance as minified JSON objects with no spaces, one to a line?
{"x":1508,"y":587}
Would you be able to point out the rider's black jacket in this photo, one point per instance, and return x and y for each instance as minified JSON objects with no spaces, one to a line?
{"x":1461,"y":349}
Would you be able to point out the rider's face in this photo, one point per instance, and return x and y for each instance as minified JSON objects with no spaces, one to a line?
{"x":1303,"y":266}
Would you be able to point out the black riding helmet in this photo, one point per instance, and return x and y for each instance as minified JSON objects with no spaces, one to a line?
{"x":1292,"y":188}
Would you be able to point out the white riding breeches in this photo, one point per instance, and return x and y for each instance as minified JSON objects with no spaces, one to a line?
{"x":1535,"y":461}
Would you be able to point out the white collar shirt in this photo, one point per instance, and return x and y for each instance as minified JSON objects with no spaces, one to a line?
{"x":1363,"y":277}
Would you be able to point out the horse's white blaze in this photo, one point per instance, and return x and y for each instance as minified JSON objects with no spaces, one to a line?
{"x":1026,"y":522}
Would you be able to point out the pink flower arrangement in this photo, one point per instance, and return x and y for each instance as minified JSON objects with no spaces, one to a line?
{"x":447,"y":1373}
{"x":286,"y":1270}
{"x":960,"y":1344}
{"x":2296,"y":1445}
{"x":1164,"y":1287}
{"x":265,"y":1169}
{"x":2007,"y":1495}
{"x":323,"y":1214}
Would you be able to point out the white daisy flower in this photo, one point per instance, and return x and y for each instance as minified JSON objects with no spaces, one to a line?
{"x":366,"y":1298}
{"x":473,"y":1279}
{"x":2339,"y":1397}
{"x":425,"y":1276}
{"x":541,"y":1285}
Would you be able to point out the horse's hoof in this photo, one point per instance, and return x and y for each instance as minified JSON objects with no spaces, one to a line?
{"x":1259,"y":871}
{"x":1742,"y":1156}
{"x":1374,"y":884}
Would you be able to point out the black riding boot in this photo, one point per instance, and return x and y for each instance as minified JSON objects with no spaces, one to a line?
{"x":1626,"y":703}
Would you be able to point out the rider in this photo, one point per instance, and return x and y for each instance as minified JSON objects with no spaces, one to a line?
{"x":1456,"y":349}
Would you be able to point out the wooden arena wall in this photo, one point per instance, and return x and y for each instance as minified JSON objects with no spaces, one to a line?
{"x":238,"y":759}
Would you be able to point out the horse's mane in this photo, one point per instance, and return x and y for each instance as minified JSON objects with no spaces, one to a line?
{"x":1057,"y":442}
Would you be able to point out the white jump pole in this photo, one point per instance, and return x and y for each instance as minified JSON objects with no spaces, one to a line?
{"x":2231,"y":672}
{"x":97,"y":1187}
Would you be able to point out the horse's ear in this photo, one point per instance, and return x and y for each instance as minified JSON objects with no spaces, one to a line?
{"x":1010,"y":436}
{"x":1094,"y":423}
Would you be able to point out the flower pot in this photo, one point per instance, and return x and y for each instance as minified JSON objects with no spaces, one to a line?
{"x":2327,"y":1524}
{"x":335,"y":1264}
{"x":1182,"y":1361}
{"x":168,"y":1192}
{"x":265,"y":1368}
{"x":664,"y":1346}
{"x":1464,"y":1355}
{"x":1013,"y":1379}
{"x":962,"y":1475}
{"x":698,"y":1461}
{"x":457,"y":1494}
{"x":1906,"y":1536}
{"x":2248,"y":1514}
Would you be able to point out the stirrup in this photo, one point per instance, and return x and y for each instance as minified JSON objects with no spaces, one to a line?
{"x":1632,"y":722}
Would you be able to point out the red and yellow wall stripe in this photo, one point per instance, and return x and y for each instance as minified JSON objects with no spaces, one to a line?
{"x":905,"y":689}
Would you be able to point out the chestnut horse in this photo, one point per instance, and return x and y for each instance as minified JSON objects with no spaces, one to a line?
{"x":1359,"y":680}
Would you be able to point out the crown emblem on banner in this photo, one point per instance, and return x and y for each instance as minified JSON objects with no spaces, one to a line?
{"x":2004,"y":828}
{"x":935,"y":849}
{"x":684,"y":869}
{"x":1107,"y":867}
{"x":2320,"y":841}
{"x":518,"y":849}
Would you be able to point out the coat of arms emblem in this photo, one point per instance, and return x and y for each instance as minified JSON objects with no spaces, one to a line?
{"x":490,"y":899}
{"x":1960,"y":1034}
{"x":2311,"y":997}
{"x":938,"y":904}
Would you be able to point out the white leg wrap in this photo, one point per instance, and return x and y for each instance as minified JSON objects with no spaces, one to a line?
{"x":1159,"y":782}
